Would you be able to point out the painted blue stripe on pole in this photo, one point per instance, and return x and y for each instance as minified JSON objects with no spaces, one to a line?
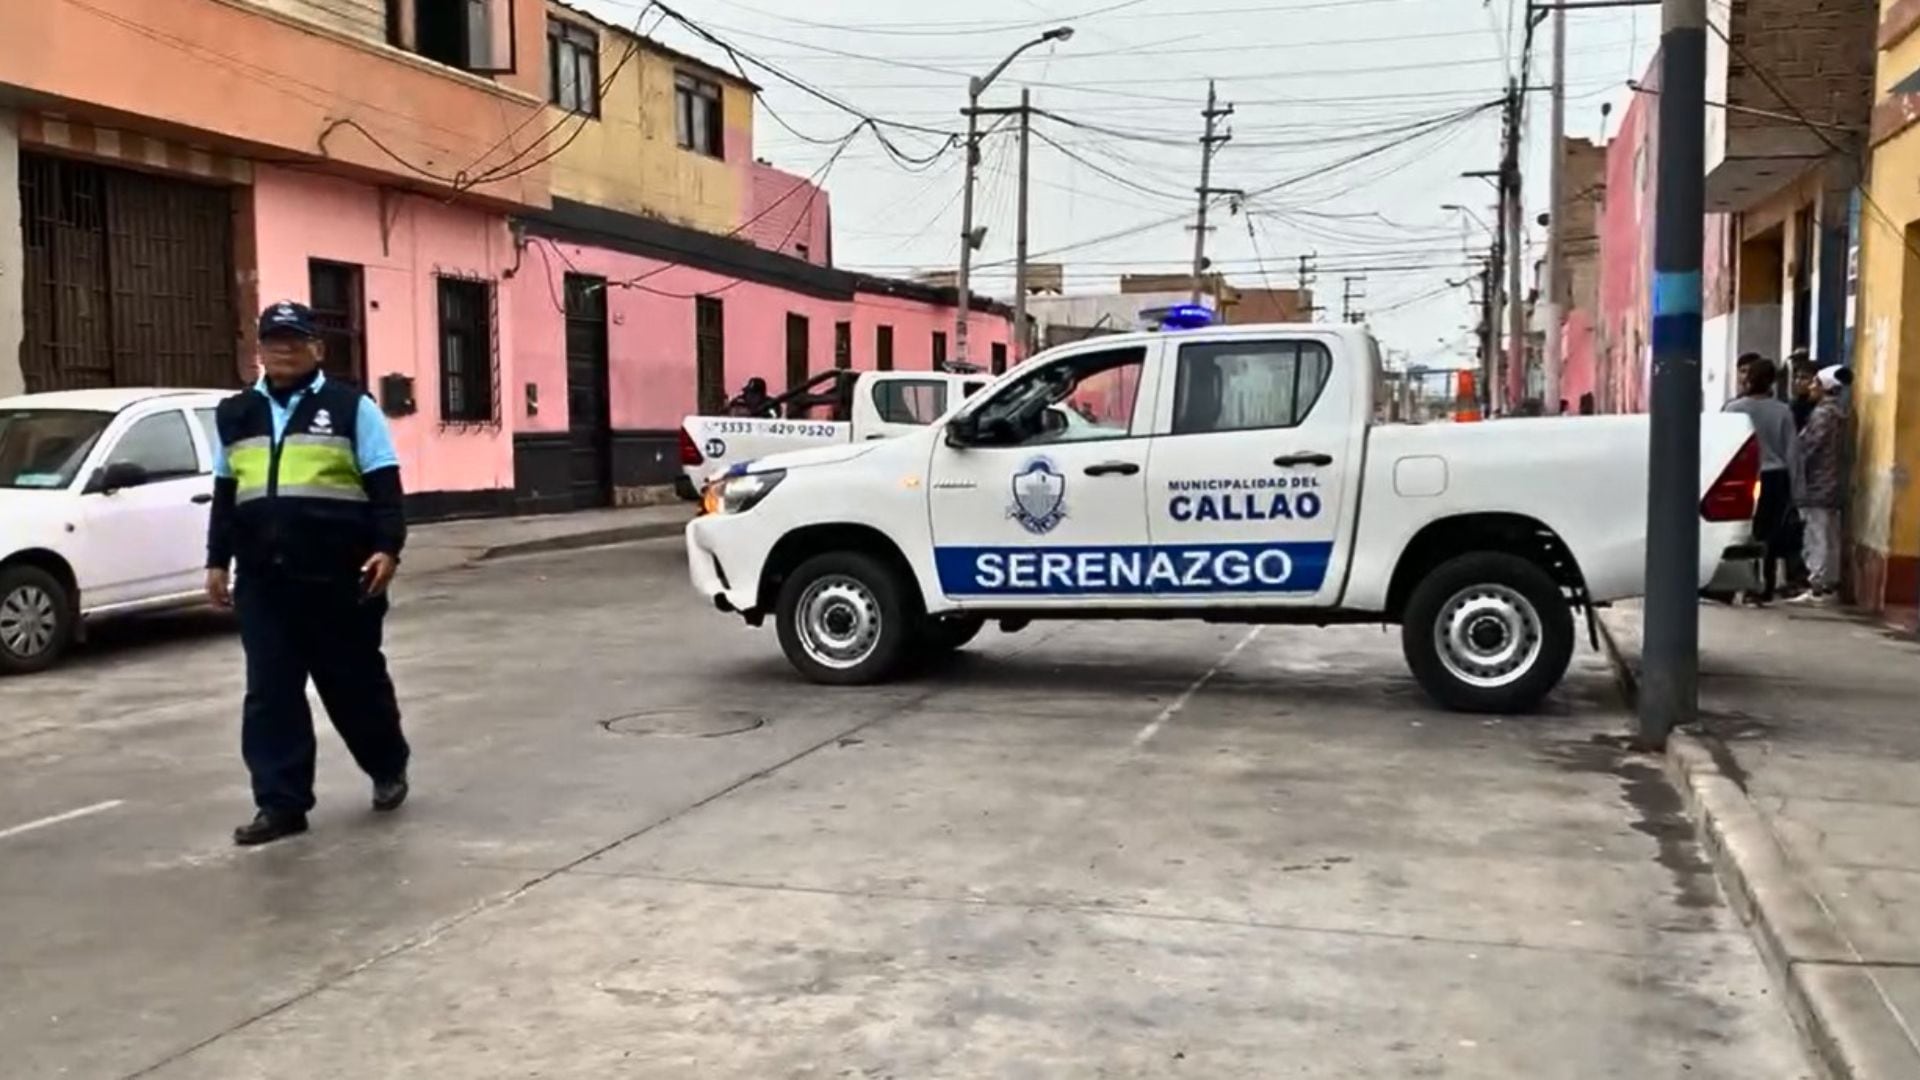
{"x":1677,"y":336}
{"x":1676,"y":293}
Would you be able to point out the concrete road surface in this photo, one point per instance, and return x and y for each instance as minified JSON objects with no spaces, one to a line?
{"x":639,"y":847}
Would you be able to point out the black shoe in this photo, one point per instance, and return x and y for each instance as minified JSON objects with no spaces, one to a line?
{"x":389,"y":794}
{"x":267,"y":826}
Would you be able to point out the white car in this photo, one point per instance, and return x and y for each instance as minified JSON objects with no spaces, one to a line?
{"x":858,"y":406}
{"x":1234,"y":474}
{"x":104,"y":497}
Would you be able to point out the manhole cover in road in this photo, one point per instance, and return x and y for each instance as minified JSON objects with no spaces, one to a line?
{"x":685,"y":723}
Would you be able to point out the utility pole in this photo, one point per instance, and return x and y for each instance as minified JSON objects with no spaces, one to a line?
{"x":1515,"y":209}
{"x":1554,"y":282}
{"x":1209,"y":144}
{"x":1020,"y":334}
{"x":1349,"y":294}
{"x":969,"y":239}
{"x":1306,"y":280}
{"x":1669,"y":683}
{"x":963,"y":281}
{"x":1489,"y":314}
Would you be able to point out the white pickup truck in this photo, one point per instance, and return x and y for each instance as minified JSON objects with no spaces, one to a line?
{"x":1230,"y":475}
{"x":832,"y":407}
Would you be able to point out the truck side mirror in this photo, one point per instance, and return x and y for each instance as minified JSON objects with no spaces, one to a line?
{"x":117,"y":476}
{"x":963,"y":431}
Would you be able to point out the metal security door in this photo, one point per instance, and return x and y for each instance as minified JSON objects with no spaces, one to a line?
{"x":129,"y":278}
{"x":589,"y":416}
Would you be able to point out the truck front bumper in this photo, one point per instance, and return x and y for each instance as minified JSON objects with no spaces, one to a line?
{"x":725,"y":558}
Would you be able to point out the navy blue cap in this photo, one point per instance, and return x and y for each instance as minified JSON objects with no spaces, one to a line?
{"x":287,"y":319}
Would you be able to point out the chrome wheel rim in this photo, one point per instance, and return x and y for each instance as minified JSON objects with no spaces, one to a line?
{"x":27,"y":621}
{"x":838,"y":621}
{"x":1488,"y":636}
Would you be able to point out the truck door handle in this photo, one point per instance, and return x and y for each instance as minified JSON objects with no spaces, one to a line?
{"x":1113,"y":468}
{"x":202,"y":499}
{"x":1318,"y":461}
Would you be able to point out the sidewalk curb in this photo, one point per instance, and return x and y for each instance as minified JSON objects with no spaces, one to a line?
{"x":1847,"y":1026}
{"x":621,"y":534}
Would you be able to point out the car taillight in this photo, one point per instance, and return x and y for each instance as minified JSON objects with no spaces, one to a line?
{"x":1734,"y":495}
{"x":689,"y":453}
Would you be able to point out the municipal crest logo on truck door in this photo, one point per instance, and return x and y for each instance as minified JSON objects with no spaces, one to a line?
{"x":1039,"y":496}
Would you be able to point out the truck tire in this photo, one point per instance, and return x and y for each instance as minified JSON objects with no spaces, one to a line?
{"x":845,"y":619}
{"x":36,"y":620}
{"x":1488,"y":632}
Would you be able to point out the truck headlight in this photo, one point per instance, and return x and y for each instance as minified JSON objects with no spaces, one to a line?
{"x":739,"y":494}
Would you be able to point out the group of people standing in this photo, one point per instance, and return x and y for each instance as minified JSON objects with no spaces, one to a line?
{"x":1803,"y":474}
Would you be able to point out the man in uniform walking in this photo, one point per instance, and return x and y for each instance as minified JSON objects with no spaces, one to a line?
{"x":307,"y":509}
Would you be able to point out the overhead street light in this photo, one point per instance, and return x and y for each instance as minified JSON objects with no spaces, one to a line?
{"x":968,"y":237}
{"x":1469,"y":212}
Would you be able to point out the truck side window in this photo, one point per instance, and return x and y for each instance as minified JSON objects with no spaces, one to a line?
{"x":1248,"y":385}
{"x":910,"y":401}
{"x":1082,"y":398}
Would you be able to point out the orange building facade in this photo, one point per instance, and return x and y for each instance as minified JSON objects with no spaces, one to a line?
{"x":170,"y":165}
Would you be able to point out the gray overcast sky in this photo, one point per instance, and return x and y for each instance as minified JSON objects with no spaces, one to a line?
{"x":1315,"y":83}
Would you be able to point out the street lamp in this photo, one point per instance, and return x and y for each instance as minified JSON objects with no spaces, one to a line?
{"x":1469,"y":212}
{"x":968,"y":239}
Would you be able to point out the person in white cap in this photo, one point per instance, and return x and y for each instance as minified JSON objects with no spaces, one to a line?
{"x":1820,"y":483}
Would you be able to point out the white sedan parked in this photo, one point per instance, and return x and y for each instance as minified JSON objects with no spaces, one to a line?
{"x":104,"y":497}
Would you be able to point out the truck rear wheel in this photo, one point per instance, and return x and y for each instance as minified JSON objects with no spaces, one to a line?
{"x":844,"y":619}
{"x":1488,"y":633}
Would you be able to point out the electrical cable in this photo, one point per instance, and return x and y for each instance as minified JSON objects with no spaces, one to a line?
{"x":815,"y":182}
{"x":1113,"y":176}
{"x":973,"y":28}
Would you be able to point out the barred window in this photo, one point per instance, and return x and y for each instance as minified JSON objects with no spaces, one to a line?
{"x":466,"y":351}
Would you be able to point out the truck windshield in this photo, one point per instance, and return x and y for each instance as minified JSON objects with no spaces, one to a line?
{"x":44,"y":448}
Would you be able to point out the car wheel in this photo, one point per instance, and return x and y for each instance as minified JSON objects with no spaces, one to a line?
{"x":845,"y":619}
{"x":950,"y":633}
{"x":1488,"y":633}
{"x":36,"y":619}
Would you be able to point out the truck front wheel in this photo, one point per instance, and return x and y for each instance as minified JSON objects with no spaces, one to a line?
{"x":1488,"y":633}
{"x":844,"y":619}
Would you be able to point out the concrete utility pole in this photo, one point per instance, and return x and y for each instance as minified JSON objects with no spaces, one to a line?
{"x":1553,"y":282}
{"x":1020,"y":335}
{"x":1670,"y":650}
{"x":1350,"y":293}
{"x":963,"y":284}
{"x":969,"y":239}
{"x":1209,"y":144}
{"x":1496,"y":310}
{"x":1489,"y":315}
{"x":1515,"y":209}
{"x":1306,"y":280}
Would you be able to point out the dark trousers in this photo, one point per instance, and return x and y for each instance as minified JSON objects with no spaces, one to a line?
{"x":293,"y":631}
{"x":1772,"y":520}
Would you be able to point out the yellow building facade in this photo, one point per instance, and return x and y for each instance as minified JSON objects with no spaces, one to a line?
{"x":644,"y":147}
{"x":1886,"y":509}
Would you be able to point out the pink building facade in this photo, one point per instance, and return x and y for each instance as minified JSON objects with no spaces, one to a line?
{"x":394,"y":249}
{"x":1622,"y":325}
{"x":788,"y":214}
{"x":685,"y":319}
{"x":1579,"y":371}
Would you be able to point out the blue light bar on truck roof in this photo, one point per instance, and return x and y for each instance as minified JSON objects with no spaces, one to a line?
{"x":1186,"y":317}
